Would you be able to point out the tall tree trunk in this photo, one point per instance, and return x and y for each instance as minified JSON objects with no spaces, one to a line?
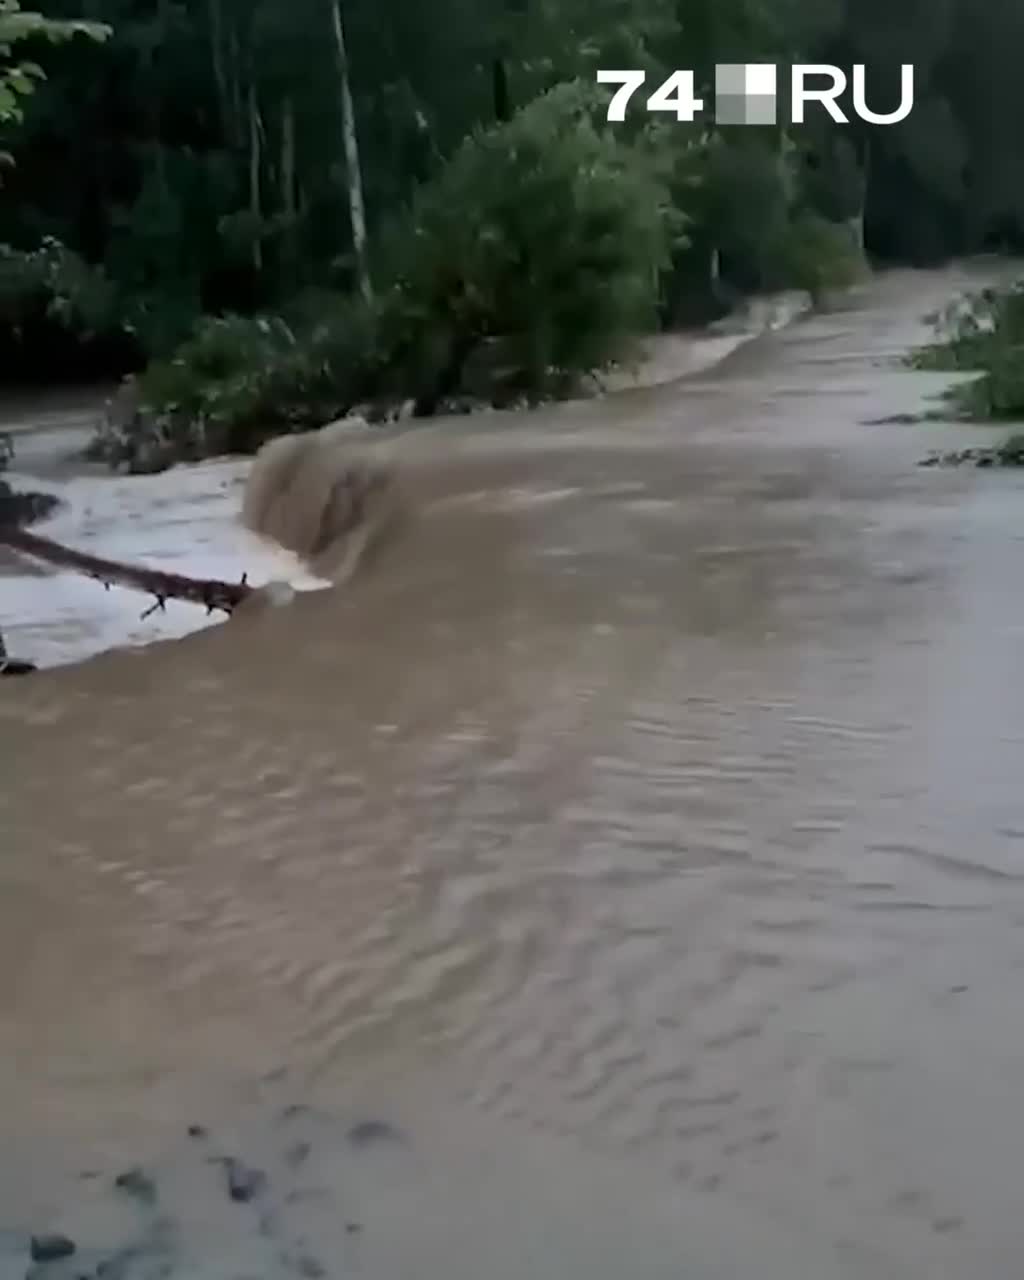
{"x":499,"y":82}
{"x":255,"y":207}
{"x":354,"y":175}
{"x":158,"y":113}
{"x":235,"y":91}
{"x":288,"y":184}
{"x":219,"y":73}
{"x":857,"y":221}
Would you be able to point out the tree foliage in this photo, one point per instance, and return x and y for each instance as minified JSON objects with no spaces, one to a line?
{"x":982,"y":334}
{"x":18,"y":79}
{"x":196,"y":163}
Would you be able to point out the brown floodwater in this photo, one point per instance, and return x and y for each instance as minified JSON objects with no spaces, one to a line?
{"x":642,"y":834}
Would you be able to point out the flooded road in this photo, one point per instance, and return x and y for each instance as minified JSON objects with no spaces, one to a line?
{"x":644,"y":836}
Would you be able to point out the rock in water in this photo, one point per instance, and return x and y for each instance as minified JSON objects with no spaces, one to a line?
{"x":244,"y":1182}
{"x":51,"y":1247}
{"x":136,"y":1182}
{"x":24,"y":508}
{"x":369,"y":1132}
{"x":16,"y":667}
{"x":13,"y":666}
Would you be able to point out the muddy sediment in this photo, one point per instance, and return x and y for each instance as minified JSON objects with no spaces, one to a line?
{"x":285,"y":1217}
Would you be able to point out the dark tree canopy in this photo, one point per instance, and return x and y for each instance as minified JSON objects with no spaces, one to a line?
{"x":202,"y":160}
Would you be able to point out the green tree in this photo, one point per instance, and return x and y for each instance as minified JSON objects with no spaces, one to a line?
{"x":19,"y":78}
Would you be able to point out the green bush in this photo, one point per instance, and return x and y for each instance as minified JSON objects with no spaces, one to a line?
{"x":982,"y":333}
{"x":548,"y":232}
{"x":539,"y":246}
{"x":222,"y":385}
{"x":54,"y":283}
{"x":59,"y":316}
{"x":819,"y":256}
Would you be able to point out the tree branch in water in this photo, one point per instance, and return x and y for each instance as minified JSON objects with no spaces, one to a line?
{"x":208,"y":592}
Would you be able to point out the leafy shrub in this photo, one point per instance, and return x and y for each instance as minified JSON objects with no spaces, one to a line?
{"x":55,"y":283}
{"x":548,"y":232}
{"x":745,"y":204}
{"x":982,"y":333}
{"x":59,"y":312}
{"x":540,"y":243}
{"x":819,"y":256}
{"x":239,"y":379}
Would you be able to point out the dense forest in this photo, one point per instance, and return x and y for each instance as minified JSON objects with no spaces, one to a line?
{"x":280,"y":208}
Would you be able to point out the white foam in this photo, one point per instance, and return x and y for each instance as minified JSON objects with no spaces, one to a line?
{"x":182,"y":521}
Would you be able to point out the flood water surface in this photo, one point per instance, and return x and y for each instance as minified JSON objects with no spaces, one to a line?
{"x":642,"y":837}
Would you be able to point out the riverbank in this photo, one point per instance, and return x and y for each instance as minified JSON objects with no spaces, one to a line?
{"x":185,"y":519}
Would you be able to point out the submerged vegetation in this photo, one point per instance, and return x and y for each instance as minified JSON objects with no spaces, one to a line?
{"x":982,"y":334}
{"x":1008,"y":454}
{"x":271,"y":214}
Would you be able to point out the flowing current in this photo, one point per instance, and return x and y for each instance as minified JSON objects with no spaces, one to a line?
{"x":642,"y":838}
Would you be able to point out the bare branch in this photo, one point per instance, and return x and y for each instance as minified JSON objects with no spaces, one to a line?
{"x":208,"y":592}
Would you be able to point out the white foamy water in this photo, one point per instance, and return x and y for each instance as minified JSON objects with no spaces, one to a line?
{"x":183,"y":521}
{"x":186,"y":519}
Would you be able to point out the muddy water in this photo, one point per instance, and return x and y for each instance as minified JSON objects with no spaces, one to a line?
{"x":643,"y":837}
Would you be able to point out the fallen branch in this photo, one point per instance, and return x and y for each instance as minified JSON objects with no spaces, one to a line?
{"x":208,"y":592}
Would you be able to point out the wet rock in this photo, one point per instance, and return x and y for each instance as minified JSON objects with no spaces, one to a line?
{"x":136,"y":1182}
{"x":297,"y":1154}
{"x":295,"y":1110}
{"x":16,"y":667}
{"x":1009,"y":454}
{"x":244,"y":1182}
{"x":150,"y":458}
{"x":894,"y":419}
{"x":371,"y":1132}
{"x":461,"y":405}
{"x":301,"y":1118}
{"x":51,"y":1247}
{"x":24,"y":508}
